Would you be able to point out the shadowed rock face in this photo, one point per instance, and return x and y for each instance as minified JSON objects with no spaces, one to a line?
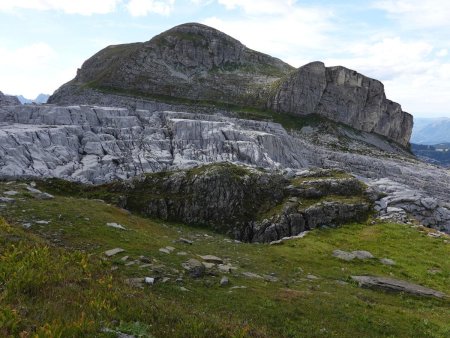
{"x":198,"y":63}
{"x":8,"y":100}
{"x":342,"y":95}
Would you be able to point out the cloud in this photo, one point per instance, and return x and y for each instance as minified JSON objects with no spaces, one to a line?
{"x":259,"y":6}
{"x":279,"y":28}
{"x":33,"y":69}
{"x":412,"y":72}
{"x":144,"y":7}
{"x":417,"y":13}
{"x":83,"y":7}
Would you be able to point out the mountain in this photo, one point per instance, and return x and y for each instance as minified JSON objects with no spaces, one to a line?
{"x":194,"y":63}
{"x":437,"y":153}
{"x":40,"y":99}
{"x":8,"y":100}
{"x":24,"y":100}
{"x":431,"y":130}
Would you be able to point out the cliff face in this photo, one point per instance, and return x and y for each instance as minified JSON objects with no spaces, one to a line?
{"x":342,"y":95}
{"x":8,"y":100}
{"x":197,"y":63}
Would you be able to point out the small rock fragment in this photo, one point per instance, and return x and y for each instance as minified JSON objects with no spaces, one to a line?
{"x":116,"y":225}
{"x":362,"y":254}
{"x":344,"y":255}
{"x":387,"y":261}
{"x":186,"y":241}
{"x":252,"y":275}
{"x":208,"y":265}
{"x":212,"y":259}
{"x":10,"y":193}
{"x":113,"y":252}
{"x":195,"y":268}
{"x":224,"y":281}
{"x":149,"y":280}
{"x":312,"y":277}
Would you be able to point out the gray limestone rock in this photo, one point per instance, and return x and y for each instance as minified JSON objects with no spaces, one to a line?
{"x":342,"y":95}
{"x":362,"y":254}
{"x":344,"y":255}
{"x":198,"y":63}
{"x":8,"y":100}
{"x":49,"y":141}
{"x":224,"y":281}
{"x":387,"y":261}
{"x":396,"y":285}
{"x":195,"y":268}
{"x":113,"y":252}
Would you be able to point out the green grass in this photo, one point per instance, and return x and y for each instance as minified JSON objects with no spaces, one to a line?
{"x":55,"y":281}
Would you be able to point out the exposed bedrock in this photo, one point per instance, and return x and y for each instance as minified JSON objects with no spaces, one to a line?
{"x":345,"y":96}
{"x":194,"y":63}
{"x":96,"y":145}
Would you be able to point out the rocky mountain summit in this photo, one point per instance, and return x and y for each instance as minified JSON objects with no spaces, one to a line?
{"x":195,"y":63}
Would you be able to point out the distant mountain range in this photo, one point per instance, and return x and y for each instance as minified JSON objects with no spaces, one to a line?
{"x":431,"y":131}
{"x":40,"y":99}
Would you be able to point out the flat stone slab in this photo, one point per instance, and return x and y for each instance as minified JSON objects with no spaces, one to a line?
{"x":116,"y":225}
{"x":344,"y":255}
{"x":113,"y":252}
{"x":10,"y":193}
{"x":396,"y":285}
{"x":212,"y":259}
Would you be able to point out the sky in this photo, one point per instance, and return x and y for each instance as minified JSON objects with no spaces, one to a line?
{"x":403,"y":43}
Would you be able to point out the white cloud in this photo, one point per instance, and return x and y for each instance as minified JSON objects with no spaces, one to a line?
{"x":412,"y":73}
{"x":33,"y":69}
{"x":144,"y":7}
{"x":287,"y":32}
{"x":443,"y":52}
{"x":83,"y":7}
{"x":259,"y":6}
{"x":417,"y":13}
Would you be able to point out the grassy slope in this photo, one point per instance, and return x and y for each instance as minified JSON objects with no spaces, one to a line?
{"x":54,"y":279}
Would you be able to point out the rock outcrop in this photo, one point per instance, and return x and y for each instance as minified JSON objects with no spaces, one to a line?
{"x":96,"y":145}
{"x":8,"y":100}
{"x":194,"y":63}
{"x":396,"y":285}
{"x":342,"y":95}
{"x":251,"y":205}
